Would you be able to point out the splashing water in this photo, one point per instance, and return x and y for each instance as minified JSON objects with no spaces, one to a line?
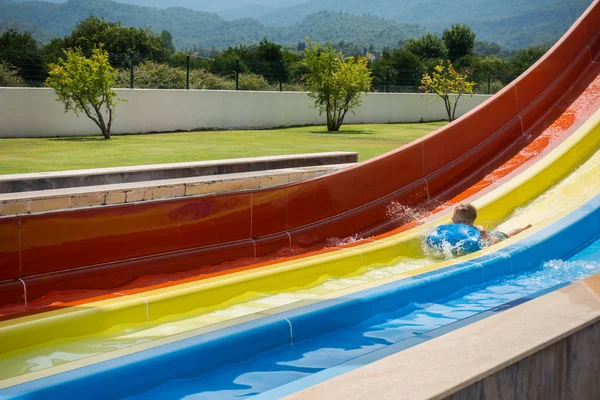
{"x":336,"y":242}
{"x":398,"y":211}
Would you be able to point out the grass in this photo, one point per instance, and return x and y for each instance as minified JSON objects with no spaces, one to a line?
{"x":55,"y":154}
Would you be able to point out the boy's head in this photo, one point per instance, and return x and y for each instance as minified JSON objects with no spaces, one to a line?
{"x":464,"y":214}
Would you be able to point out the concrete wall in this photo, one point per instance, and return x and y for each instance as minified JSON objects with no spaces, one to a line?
{"x":34,"y":112}
{"x":568,"y":369}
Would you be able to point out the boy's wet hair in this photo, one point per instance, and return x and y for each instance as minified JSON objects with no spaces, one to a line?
{"x":465,"y":213}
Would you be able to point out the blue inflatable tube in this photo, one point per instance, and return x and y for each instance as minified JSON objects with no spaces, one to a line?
{"x":456,"y":239}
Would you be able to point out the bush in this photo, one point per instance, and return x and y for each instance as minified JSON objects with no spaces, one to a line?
{"x":255,"y":82}
{"x":9,"y":76}
{"x":293,"y":87}
{"x":202,"y":79}
{"x":152,"y":75}
{"x":495,"y":87}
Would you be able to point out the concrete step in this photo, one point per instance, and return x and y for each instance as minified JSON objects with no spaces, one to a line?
{"x":95,"y":196}
{"x":144,"y":173}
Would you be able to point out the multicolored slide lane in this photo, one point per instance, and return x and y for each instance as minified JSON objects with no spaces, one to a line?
{"x":56,"y":266}
{"x":543,"y":192}
{"x":96,"y":330}
{"x":286,"y":352}
{"x":543,"y":211}
{"x":99,"y":251}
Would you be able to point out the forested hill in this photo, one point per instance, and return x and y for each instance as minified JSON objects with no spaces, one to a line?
{"x":207,"y":30}
{"x":510,"y":23}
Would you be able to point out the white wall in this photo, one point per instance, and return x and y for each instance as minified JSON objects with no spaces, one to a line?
{"x":34,"y":112}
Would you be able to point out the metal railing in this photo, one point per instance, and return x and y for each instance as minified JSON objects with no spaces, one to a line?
{"x":189,"y":72}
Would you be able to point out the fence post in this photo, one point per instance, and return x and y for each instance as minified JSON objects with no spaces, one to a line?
{"x":281,"y":76}
{"x":387,"y":79}
{"x":237,"y":74}
{"x":489,"y":83}
{"x":131,"y":70}
{"x":187,"y":72}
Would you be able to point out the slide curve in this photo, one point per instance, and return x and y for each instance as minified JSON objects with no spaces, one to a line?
{"x":95,"y":249}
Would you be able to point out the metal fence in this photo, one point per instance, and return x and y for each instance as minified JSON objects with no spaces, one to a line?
{"x":409,"y":81}
{"x":189,"y":72}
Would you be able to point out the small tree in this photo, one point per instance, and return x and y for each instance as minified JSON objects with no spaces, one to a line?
{"x":334,"y":82}
{"x":84,"y":85}
{"x":445,"y":82}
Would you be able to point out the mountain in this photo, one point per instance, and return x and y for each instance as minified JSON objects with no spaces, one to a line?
{"x":336,"y":26}
{"x":36,"y":31}
{"x":250,"y":11}
{"x":247,"y":8}
{"x":542,"y":26}
{"x":419,"y":11}
{"x":209,"y":30}
{"x":510,"y":23}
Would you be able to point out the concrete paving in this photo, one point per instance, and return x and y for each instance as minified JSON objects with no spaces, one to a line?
{"x":92,"y":196}
{"x":110,"y":176}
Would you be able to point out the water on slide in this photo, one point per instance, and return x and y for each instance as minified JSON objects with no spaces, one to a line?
{"x":574,"y":190}
{"x":289,"y":363}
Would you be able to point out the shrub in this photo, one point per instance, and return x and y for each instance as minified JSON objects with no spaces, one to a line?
{"x":254,"y":82}
{"x":9,"y":76}
{"x":152,"y":75}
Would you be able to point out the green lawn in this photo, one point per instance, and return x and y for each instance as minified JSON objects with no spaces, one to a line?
{"x":55,"y":154}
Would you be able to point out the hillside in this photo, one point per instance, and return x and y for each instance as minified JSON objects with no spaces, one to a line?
{"x":36,"y":31}
{"x":510,"y":23}
{"x":246,"y":7}
{"x":419,"y":11}
{"x":208,"y":30}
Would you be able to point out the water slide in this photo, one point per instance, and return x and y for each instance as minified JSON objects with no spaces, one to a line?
{"x":527,"y":155}
{"x":72,"y":256}
{"x":222,"y":321}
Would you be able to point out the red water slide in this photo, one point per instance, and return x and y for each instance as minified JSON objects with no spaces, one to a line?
{"x":104,"y":248}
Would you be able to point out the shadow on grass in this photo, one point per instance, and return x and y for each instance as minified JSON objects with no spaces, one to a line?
{"x":81,"y":139}
{"x":345,"y":132}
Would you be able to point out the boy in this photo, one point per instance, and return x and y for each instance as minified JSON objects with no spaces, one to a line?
{"x":467,"y":214}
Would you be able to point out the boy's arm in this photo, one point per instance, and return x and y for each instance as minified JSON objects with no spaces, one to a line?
{"x":519,"y":230}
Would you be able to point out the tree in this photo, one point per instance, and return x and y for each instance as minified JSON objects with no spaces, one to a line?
{"x":445,"y":82}
{"x":397,"y":68}
{"x":483,"y":48}
{"x":167,"y":40}
{"x":84,"y":85}
{"x":117,"y":40}
{"x":22,"y":52}
{"x":428,"y":47}
{"x":460,"y":40}
{"x":334,"y":82}
{"x":525,"y":58}
{"x":269,"y":61}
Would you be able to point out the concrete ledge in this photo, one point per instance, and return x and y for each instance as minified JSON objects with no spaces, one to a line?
{"x":109,"y":176}
{"x":91,"y":196}
{"x":548,"y":348}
